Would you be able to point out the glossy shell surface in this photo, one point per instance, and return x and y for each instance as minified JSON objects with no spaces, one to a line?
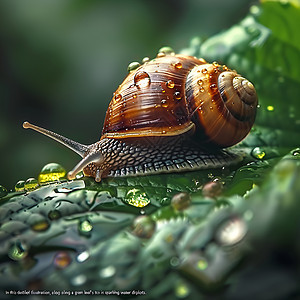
{"x":174,"y":94}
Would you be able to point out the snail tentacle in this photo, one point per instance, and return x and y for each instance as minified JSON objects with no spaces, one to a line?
{"x":74,"y":146}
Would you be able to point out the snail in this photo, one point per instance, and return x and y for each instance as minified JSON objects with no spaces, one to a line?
{"x":173,"y":113}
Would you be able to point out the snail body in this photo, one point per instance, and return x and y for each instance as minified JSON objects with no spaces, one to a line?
{"x":173,"y":113}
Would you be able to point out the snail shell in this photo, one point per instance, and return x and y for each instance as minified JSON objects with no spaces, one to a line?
{"x":173,"y":113}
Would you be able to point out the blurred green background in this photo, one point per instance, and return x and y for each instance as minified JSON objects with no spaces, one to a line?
{"x":61,"y":61}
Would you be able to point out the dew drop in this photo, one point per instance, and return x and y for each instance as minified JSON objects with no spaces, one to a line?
{"x":134,"y":96}
{"x":170,"y":84}
{"x":231,"y":231}
{"x":51,"y":172}
{"x":142,"y":79}
{"x":181,"y":290}
{"x":212,"y":189}
{"x":132,"y":66}
{"x":41,"y":225}
{"x":178,"y":65}
{"x":79,"y":280}
{"x":20,"y":186}
{"x":107,"y":272}
{"x":3,"y":191}
{"x":202,"y":89}
{"x":181,"y":201}
{"x":166,"y":50}
{"x":225,"y":68}
{"x":62,"y":259}
{"x":83,"y":256}
{"x":204,"y":71}
{"x":258,"y":153}
{"x":202,"y":264}
{"x":85,"y":227}
{"x":54,"y":214}
{"x":296,"y":152}
{"x":17,"y":251}
{"x":213,"y":86}
{"x":31,"y":184}
{"x":137,"y":198}
{"x":118,"y":97}
{"x":164,"y":103}
{"x":160,"y":54}
{"x":143,"y":227}
{"x":200,"y":82}
{"x":177,"y":95}
{"x":145,"y":59}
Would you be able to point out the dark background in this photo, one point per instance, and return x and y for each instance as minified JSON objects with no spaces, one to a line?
{"x":61,"y":61}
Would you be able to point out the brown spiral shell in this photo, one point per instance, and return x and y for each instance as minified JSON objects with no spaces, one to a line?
{"x":172,"y":94}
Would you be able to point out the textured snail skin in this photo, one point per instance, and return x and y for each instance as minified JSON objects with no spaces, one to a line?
{"x":173,"y":113}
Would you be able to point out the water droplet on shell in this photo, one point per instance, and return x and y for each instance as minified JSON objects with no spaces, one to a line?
{"x":133,"y":66}
{"x":142,"y":79}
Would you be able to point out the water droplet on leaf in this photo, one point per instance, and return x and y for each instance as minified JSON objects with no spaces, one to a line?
{"x":296,"y":152}
{"x":41,"y":225}
{"x":174,"y":261}
{"x":258,"y":153}
{"x":85,"y":227}
{"x":31,"y":184}
{"x":181,"y":290}
{"x":212,"y":189}
{"x":3,"y":191}
{"x":62,"y":259}
{"x":144,"y":227}
{"x":137,"y":198}
{"x":232,"y":231}
{"x":181,"y":201}
{"x":17,"y":251}
{"x":79,"y":280}
{"x":54,"y":215}
{"x":20,"y":186}
{"x":83,"y":256}
{"x":51,"y":172}
{"x":202,"y":264}
{"x":107,"y":272}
